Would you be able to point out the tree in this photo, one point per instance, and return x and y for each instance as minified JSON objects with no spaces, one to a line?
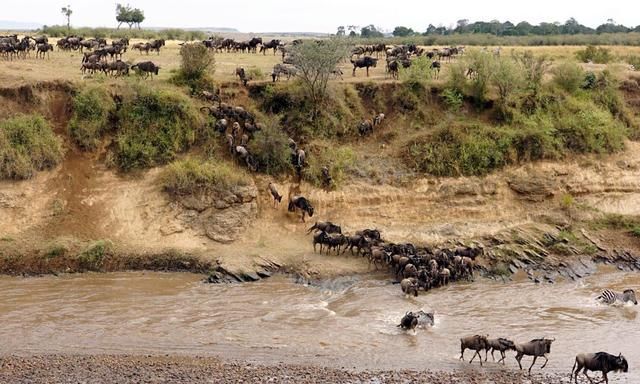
{"x":341,"y":31}
{"x":370,"y":31}
{"x":402,"y":31}
{"x":352,"y":30}
{"x":315,"y":60}
{"x":130,"y":16}
{"x":66,"y":11}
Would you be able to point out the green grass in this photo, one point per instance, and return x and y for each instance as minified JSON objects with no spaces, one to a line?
{"x":92,"y":108}
{"x":340,"y":161}
{"x":154,"y":126}
{"x":563,"y":124}
{"x":27,"y":145}
{"x":55,"y":251}
{"x":92,"y":258}
{"x":192,"y":175}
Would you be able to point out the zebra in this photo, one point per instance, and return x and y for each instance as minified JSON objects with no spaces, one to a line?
{"x":609,"y":297}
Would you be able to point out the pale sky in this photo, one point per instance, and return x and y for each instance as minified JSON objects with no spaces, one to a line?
{"x":323,"y":15}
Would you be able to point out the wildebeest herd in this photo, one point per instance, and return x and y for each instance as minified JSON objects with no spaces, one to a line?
{"x":97,"y":55}
{"x":423,"y":268}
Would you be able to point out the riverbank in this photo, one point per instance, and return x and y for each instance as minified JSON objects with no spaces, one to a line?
{"x":107,"y":369}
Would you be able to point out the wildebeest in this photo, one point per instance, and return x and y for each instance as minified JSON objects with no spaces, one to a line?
{"x":365,"y":127}
{"x":327,"y":180}
{"x":277,"y":198}
{"x":409,"y":321}
{"x":283,"y":69}
{"x":499,"y":344}
{"x":243,"y":154}
{"x":325,"y":226}
{"x":610,"y":297}
{"x":475,"y":343}
{"x":364,"y":62}
{"x":273,"y":44}
{"x":409,"y":286}
{"x":43,"y":49}
{"x":600,"y":361}
{"x":301,"y":202}
{"x":146,"y":67}
{"x":242,"y":75}
{"x":320,"y":238}
{"x":536,"y":348}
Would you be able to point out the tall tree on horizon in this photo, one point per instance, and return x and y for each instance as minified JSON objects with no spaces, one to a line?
{"x":66,"y":11}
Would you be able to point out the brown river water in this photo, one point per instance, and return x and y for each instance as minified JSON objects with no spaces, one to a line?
{"x":344,"y":322}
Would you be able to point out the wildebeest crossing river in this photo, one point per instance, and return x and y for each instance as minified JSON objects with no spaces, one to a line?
{"x":344,"y":322}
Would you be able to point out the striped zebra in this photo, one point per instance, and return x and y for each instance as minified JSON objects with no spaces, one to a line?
{"x":609,"y":297}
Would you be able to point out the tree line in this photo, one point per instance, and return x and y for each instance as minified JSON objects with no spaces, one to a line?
{"x":493,"y":27}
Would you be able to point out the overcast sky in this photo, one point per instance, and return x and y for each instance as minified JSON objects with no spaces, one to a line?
{"x":323,"y":15}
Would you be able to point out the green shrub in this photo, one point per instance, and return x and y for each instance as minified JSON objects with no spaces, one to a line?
{"x":92,"y":108}
{"x":339,"y":161}
{"x":598,"y":55}
{"x":269,"y":148}
{"x":453,"y":99}
{"x":584,"y":128}
{"x":92,"y":258}
{"x":55,"y":251}
{"x":191,"y":175}
{"x":634,"y":60}
{"x":568,"y":76}
{"x":482,"y":65}
{"x":458,"y":150}
{"x":154,"y":125}
{"x":590,"y":81}
{"x":27,"y":145}
{"x":197,"y":65}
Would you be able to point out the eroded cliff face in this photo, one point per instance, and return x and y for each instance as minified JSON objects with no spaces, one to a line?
{"x":82,"y":201}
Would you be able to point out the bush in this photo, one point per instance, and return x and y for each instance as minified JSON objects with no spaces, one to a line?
{"x":154,"y":126}
{"x":458,"y":150}
{"x":92,"y":108}
{"x":598,"y":55}
{"x":634,"y":61}
{"x":197,"y":64}
{"x":453,"y":99}
{"x":568,"y":76}
{"x":191,"y":175}
{"x":269,"y":148}
{"x":339,"y":160}
{"x":584,"y":128}
{"x":27,"y":145}
{"x":482,"y":64}
{"x":92,"y":258}
{"x":419,"y":72}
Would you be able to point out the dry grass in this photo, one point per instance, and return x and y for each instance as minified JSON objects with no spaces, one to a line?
{"x":66,"y":65}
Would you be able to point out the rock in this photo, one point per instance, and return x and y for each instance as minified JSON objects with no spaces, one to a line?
{"x":264,"y":274}
{"x":225,"y":225}
{"x":170,"y":229}
{"x":533,"y":188}
{"x":249,"y":276}
{"x":221,"y":215}
{"x":513,"y":268}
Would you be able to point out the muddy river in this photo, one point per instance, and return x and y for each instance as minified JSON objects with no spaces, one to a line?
{"x":345,"y":322}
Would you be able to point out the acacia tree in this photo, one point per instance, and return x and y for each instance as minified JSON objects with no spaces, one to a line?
{"x":315,"y":61}
{"x":66,"y":11}
{"x":131,"y":16}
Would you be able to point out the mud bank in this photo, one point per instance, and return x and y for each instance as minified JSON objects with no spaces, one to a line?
{"x":107,"y":369}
